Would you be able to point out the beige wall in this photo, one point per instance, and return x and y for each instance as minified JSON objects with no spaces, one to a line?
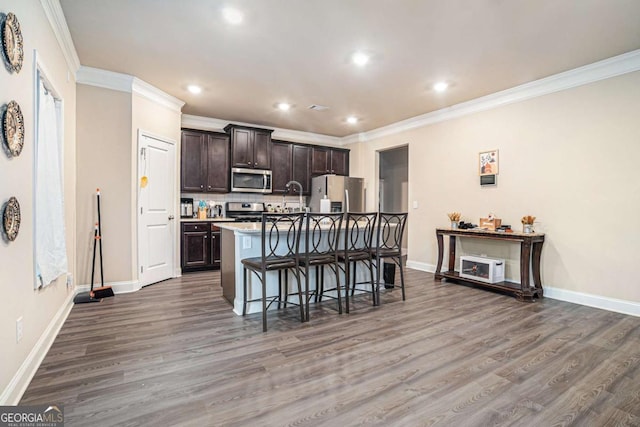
{"x":568,"y":158}
{"x":163,"y":122}
{"x":38,"y":308}
{"x":104,"y":161}
{"x":108,"y":124}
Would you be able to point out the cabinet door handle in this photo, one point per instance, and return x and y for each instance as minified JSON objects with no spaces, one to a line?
{"x":205,"y":237}
{"x":171,"y":217}
{"x":201,"y":186}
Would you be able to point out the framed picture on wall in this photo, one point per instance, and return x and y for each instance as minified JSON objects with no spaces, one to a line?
{"x":488,"y":164}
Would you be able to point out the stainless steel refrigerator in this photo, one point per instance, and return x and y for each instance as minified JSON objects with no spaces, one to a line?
{"x":346,"y":193}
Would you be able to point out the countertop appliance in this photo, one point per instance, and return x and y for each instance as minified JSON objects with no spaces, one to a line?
{"x":245,"y":211}
{"x":346,"y":193}
{"x":186,"y":208}
{"x":251,"y":181}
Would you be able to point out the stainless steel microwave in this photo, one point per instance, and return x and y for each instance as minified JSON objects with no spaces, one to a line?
{"x":250,"y":181}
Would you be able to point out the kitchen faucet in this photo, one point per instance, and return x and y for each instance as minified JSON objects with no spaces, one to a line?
{"x":288,"y":188}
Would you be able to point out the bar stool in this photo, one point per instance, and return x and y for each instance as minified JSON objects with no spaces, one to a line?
{"x":280,"y":252}
{"x":321,"y":250}
{"x":389,"y":244}
{"x":358,"y":242}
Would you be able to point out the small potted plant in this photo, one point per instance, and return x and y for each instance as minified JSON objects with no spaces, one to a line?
{"x":527,"y":223}
{"x":454,"y":217}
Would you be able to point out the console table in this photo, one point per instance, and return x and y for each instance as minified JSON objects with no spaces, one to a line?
{"x":530,"y":251}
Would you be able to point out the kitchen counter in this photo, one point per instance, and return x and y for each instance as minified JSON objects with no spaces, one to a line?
{"x":217,"y":219}
{"x":240,"y":240}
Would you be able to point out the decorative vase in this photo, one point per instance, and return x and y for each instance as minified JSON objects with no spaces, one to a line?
{"x":527,"y":228}
{"x":454,"y":225}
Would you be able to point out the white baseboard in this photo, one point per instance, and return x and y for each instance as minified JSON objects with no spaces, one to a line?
{"x":118,"y":287}
{"x":18,"y":385}
{"x":597,"y":301}
{"x":422,"y":266}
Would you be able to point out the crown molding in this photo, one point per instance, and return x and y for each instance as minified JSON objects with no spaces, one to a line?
{"x":58,"y":22}
{"x":105,"y":79}
{"x":611,"y":67}
{"x":154,"y":94}
{"x":206,"y":123}
{"x":126,"y":83}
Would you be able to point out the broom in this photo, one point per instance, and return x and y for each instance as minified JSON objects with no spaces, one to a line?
{"x":102,"y":291}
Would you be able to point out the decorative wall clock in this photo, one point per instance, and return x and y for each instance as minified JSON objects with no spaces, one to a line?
{"x":12,"y":42}
{"x":11,"y":218}
{"x":13,"y":128}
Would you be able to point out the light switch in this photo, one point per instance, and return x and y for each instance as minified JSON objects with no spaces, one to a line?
{"x":415,"y":204}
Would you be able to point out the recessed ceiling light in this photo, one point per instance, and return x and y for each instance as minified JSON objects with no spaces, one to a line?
{"x":233,"y":16}
{"x":360,"y":58}
{"x":194,"y":89}
{"x":440,"y":86}
{"x":284,"y":106}
{"x":352,"y":120}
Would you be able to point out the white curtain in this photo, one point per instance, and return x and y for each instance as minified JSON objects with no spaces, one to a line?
{"x":51,"y":248}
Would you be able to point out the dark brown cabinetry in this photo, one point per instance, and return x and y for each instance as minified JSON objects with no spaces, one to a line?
{"x":200,"y":248}
{"x":250,"y":147}
{"x":290,"y":162}
{"x":204,"y":162}
{"x":326,"y":160}
{"x":301,"y":167}
{"x":281,"y":161}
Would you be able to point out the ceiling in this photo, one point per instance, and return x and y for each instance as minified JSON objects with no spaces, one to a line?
{"x":299,"y":51}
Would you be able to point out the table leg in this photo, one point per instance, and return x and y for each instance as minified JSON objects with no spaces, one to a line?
{"x":537,"y":252}
{"x":439,"y":237}
{"x":525,"y":261}
{"x":452,"y":253}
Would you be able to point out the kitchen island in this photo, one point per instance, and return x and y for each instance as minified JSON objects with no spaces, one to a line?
{"x":242,"y":240}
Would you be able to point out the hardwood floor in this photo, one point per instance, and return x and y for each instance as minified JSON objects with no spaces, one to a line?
{"x":174,"y":354}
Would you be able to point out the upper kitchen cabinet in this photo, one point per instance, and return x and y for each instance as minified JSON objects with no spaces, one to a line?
{"x":250,"y":147}
{"x":325,"y":160}
{"x":291,"y":162}
{"x":281,"y":159}
{"x":204,"y":162}
{"x":301,"y":166}
{"x":217,"y":163}
{"x":193,"y":161}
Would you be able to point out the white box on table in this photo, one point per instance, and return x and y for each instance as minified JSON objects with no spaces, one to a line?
{"x":484,"y":269}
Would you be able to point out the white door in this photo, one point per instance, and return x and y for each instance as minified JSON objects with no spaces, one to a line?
{"x":156,"y":216}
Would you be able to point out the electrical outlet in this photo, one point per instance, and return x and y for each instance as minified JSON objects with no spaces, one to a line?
{"x":415,"y":204}
{"x":19,"y":329}
{"x":69,"y":280}
{"x":246,"y":242}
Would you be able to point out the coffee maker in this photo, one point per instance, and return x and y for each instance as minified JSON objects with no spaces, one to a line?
{"x":186,"y":208}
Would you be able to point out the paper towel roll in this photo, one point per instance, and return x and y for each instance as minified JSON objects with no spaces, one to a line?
{"x":325,"y":205}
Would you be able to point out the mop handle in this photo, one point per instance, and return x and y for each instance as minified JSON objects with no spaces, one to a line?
{"x":93,"y":263}
{"x":100,"y":238}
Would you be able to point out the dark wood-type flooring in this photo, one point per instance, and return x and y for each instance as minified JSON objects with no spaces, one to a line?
{"x":174,"y":354}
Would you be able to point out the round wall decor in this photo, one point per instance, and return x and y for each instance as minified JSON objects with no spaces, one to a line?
{"x":13,"y":128}
{"x":12,"y":42}
{"x":11,"y":218}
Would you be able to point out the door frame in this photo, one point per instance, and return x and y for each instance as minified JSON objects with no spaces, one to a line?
{"x":173,"y":210}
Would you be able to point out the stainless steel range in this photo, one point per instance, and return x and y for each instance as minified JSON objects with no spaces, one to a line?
{"x":245,"y":212}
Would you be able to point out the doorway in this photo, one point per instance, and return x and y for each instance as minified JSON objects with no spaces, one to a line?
{"x":393,"y":183}
{"x":156,"y":209}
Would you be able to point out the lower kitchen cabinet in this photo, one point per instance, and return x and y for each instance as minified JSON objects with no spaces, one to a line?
{"x":200,"y":248}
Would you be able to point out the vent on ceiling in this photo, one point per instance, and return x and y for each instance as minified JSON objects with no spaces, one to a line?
{"x":317,"y":107}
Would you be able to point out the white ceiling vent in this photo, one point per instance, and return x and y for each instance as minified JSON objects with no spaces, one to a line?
{"x":317,"y":107}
